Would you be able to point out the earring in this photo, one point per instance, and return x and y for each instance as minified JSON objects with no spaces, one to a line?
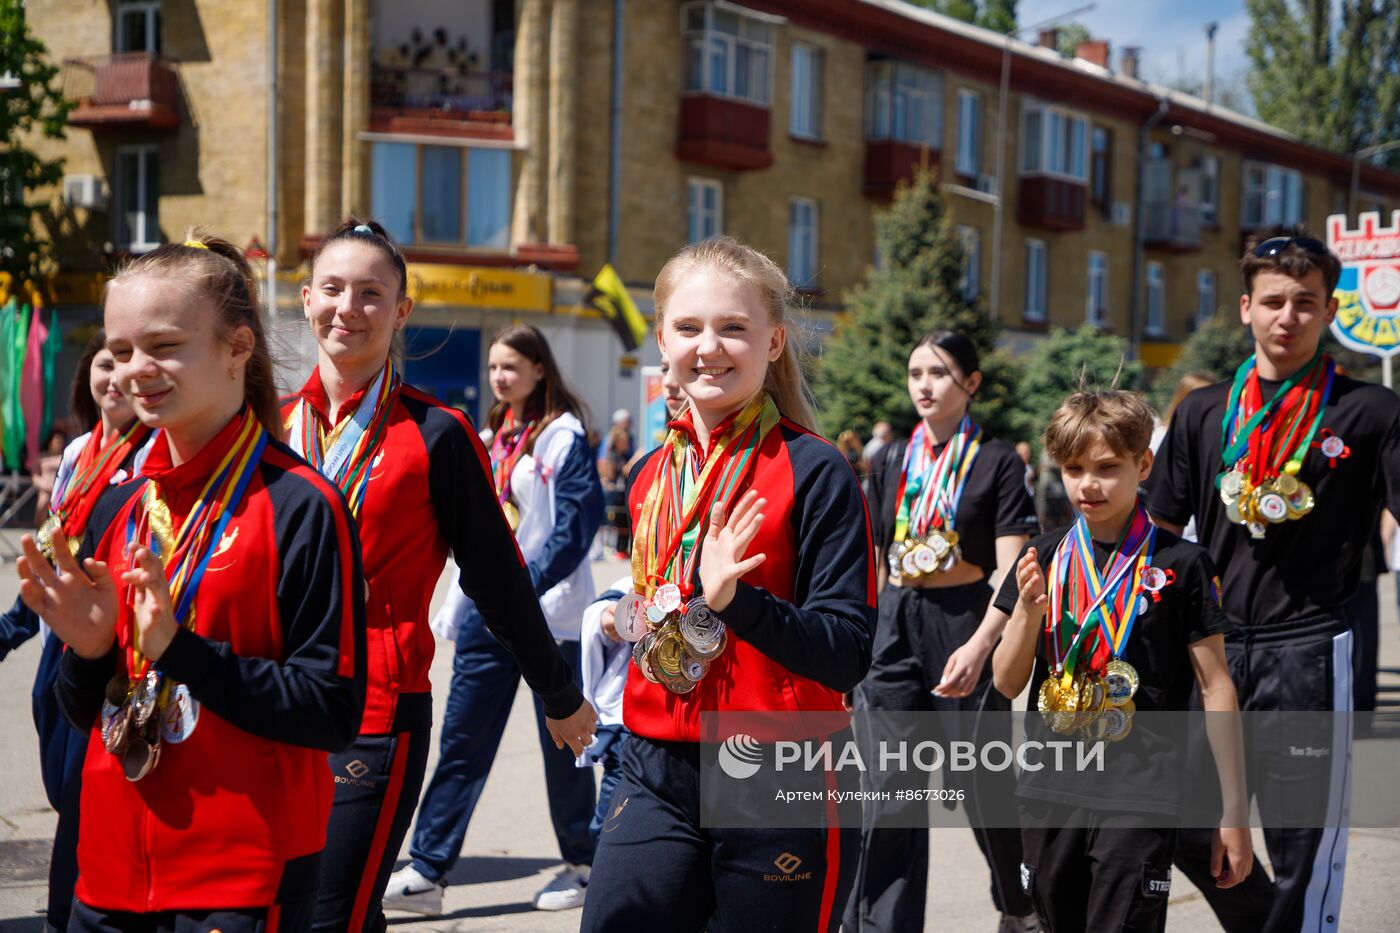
{"x":233,"y":372}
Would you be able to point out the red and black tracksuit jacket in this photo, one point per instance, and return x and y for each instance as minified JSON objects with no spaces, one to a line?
{"x":801,"y":623}
{"x":430,"y":493}
{"x":277,"y":661}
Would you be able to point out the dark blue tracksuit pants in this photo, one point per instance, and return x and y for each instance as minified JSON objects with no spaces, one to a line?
{"x":484,"y":681}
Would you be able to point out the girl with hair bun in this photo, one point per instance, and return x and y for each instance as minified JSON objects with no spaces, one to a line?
{"x":952,"y":510}
{"x":418,"y":484}
{"x":214,"y":618}
{"x":752,"y":590}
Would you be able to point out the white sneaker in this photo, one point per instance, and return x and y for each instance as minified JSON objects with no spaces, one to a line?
{"x":566,"y":891}
{"x":408,"y":890}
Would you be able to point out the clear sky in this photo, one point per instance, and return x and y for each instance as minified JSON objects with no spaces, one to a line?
{"x":1171,"y":33}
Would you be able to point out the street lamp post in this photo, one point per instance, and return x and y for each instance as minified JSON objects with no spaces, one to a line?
{"x":998,"y":198}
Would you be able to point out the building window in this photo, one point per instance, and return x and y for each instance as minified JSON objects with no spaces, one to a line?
{"x":1036,"y":285}
{"x":1053,"y":142}
{"x":802,"y":243}
{"x":705,"y":209}
{"x":727,"y":53}
{"x":1101,"y":169}
{"x":970,"y":282}
{"x":1272,"y":195}
{"x":138,"y":26}
{"x":1156,"y":299}
{"x":1205,"y":296}
{"x":904,"y":103}
{"x":806,"y":119}
{"x":138,"y":198}
{"x":1210,"y":190}
{"x":442,"y":195}
{"x":1096,"y":297}
{"x":969,"y":160}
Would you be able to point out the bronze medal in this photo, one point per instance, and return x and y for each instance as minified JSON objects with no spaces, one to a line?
{"x":118,"y":689}
{"x":693,"y":668}
{"x":641,"y":654}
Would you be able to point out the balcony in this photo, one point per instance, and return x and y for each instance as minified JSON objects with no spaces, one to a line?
{"x":722,"y":132}
{"x":130,"y":90}
{"x":448,"y":101}
{"x":1050,"y":203}
{"x":1172,"y":227}
{"x":890,"y":161}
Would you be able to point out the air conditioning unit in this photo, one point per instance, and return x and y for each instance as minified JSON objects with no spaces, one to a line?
{"x":88,"y":191}
{"x":1122,"y":214}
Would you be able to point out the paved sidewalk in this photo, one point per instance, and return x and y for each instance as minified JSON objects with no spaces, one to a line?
{"x":510,"y":851}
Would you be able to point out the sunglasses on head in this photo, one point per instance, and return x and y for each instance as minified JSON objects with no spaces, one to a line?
{"x":1275,"y":245}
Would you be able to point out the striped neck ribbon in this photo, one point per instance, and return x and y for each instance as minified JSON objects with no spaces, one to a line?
{"x":345,"y":454}
{"x":1269,"y":438}
{"x":931,"y":484}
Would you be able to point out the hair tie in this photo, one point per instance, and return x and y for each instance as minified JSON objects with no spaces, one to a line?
{"x":365,"y":228}
{"x":195,"y":244}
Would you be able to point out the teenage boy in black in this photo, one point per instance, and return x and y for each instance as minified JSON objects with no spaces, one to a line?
{"x":1286,"y":591}
{"x":1098,"y":848}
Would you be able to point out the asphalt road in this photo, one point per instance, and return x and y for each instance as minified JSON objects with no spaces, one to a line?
{"x":510,"y":850}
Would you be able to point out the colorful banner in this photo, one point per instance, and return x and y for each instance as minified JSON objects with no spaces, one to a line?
{"x":653,"y":409}
{"x":1368,"y":293}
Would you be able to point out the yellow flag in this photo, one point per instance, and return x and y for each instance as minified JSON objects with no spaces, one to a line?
{"x":609,"y":296}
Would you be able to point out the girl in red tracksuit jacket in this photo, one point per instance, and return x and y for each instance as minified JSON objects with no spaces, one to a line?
{"x":745,"y":509}
{"x":418,"y":483}
{"x":215,"y":626}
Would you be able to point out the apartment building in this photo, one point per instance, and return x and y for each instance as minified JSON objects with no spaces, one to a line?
{"x":514,"y":146}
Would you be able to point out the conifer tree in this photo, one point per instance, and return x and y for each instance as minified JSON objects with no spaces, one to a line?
{"x":1063,"y":363}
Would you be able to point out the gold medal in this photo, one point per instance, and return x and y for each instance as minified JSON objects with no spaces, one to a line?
{"x":926,"y":558}
{"x":1049,"y":695}
{"x":512,"y":515}
{"x":668,"y":653}
{"x":1286,"y":484}
{"x":1120,"y":682}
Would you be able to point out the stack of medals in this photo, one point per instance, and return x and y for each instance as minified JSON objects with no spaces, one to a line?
{"x":931,"y":487}
{"x":507,"y":447}
{"x":142,"y":708}
{"x":72,"y":503}
{"x":676,"y":636}
{"x":1090,"y":689}
{"x":1265,"y":445}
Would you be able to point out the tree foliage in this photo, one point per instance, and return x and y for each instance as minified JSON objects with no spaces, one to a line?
{"x":1333,"y":84}
{"x":996,"y":15}
{"x":1216,"y":349}
{"x":916,"y":288}
{"x":1063,"y":363}
{"x":36,"y":106}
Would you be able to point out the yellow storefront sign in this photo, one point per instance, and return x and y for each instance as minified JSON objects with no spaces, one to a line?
{"x":508,"y":289}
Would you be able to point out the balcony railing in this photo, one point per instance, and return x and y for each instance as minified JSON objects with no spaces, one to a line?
{"x":449,"y":99}
{"x":1050,"y":203}
{"x":723,"y":132}
{"x":1172,"y":226}
{"x":890,"y":161}
{"x":128,"y":89}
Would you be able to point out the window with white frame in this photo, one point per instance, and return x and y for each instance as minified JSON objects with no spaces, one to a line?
{"x":806,"y":118}
{"x":705,"y":209}
{"x":1156,"y":299}
{"x":138,"y":198}
{"x":1096,"y":296}
{"x":138,"y":26}
{"x":1210,"y":190}
{"x":441,"y":195}
{"x":802,"y":243}
{"x":969,"y":156}
{"x":727,"y":53}
{"x":1053,"y":142}
{"x":1205,"y":295}
{"x":1272,"y":195}
{"x":904,"y":103}
{"x":970,"y":282}
{"x":1036,"y":280}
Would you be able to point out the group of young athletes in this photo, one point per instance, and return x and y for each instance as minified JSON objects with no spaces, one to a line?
{"x":234,"y":594}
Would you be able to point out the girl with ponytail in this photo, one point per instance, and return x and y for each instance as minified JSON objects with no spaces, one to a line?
{"x":752,"y":590}
{"x":214,"y":618}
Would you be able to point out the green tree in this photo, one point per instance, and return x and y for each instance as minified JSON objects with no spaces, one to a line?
{"x":1216,"y":349}
{"x":996,"y":15}
{"x":861,"y":378}
{"x":1069,"y":35}
{"x":1063,"y":363}
{"x":1334,"y":87}
{"x":36,"y":106}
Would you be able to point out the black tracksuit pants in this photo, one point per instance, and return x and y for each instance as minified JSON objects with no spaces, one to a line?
{"x":657,"y":868}
{"x":1300,"y":666}
{"x":918,"y":630}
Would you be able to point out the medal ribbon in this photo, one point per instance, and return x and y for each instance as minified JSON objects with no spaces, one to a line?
{"x":96,"y":466}
{"x":934,"y":503}
{"x":667,"y":515}
{"x":1299,"y":401}
{"x":345,"y":456}
{"x":186,"y":554}
{"x":507,"y":447}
